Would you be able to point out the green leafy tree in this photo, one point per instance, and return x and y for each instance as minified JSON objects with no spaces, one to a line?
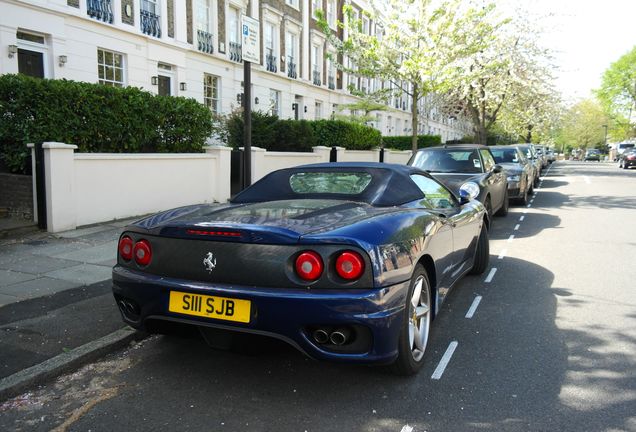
{"x":582,"y":126}
{"x":418,"y":52}
{"x":617,"y":94}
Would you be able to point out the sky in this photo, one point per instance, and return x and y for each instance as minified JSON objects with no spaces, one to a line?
{"x":586,"y":38}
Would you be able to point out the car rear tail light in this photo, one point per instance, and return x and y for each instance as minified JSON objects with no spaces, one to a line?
{"x":142,"y":252}
{"x":349,"y":265}
{"x":309,"y":266}
{"x":631,"y":157}
{"x":126,"y":248}
{"x":213,"y":233}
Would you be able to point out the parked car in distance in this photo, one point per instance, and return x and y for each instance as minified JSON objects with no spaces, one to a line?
{"x":592,"y":155}
{"x":550,"y":155}
{"x":627,"y":159}
{"x":469,"y":167}
{"x":344,"y":261}
{"x":541,"y":153}
{"x":622,"y":148}
{"x":519,"y":171}
{"x":532,"y":157}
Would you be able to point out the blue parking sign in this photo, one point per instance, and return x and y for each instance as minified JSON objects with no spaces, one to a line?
{"x":245,"y":30}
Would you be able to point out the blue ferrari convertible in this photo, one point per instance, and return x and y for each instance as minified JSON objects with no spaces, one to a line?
{"x":344,"y":261}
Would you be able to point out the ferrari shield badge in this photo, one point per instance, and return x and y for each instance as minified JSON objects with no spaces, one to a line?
{"x":209,"y":262}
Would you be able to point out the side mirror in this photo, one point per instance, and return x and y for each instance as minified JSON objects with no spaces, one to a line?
{"x":497,"y":169}
{"x":464,"y":197}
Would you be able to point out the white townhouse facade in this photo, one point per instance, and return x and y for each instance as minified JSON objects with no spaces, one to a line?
{"x":192,"y":48}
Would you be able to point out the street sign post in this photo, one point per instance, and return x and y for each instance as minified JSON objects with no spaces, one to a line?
{"x":251,"y":52}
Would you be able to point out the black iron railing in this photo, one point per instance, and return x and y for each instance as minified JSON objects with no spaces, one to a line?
{"x":150,"y":23}
{"x":100,"y":9}
{"x":205,"y":42}
{"x":316,"y":77}
{"x":291,"y":68}
{"x":331,"y":82}
{"x":236,"y":52}
{"x":270,"y":63}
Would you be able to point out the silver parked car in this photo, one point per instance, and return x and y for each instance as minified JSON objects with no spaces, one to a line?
{"x":519,"y":170}
{"x":533,"y":158}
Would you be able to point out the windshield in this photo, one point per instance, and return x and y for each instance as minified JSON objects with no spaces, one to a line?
{"x":505,"y":155}
{"x":350,"y":183}
{"x":448,"y":161}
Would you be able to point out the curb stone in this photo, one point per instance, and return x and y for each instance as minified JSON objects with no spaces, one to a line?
{"x":20,"y":382}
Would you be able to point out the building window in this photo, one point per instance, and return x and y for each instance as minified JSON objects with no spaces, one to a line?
{"x":331,"y":13}
{"x":316,"y":5}
{"x":204,"y":26}
{"x":271,"y":47}
{"x":274,"y":102}
{"x":110,"y":68}
{"x":318,"y":111}
{"x":291,"y":48}
{"x":316,"y":62}
{"x":292,"y":3}
{"x":211,"y":92}
{"x":235,"y":44}
{"x":150,"y":20}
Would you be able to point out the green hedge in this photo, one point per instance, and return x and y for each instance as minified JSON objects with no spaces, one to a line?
{"x":273,"y":134}
{"x":404,"y":142}
{"x":96,"y":118}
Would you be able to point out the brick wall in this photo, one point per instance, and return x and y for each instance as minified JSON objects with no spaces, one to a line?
{"x":16,"y":195}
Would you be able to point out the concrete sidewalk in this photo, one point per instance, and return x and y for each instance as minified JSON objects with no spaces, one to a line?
{"x":56,"y":303}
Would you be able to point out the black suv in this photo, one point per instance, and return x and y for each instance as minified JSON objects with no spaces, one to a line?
{"x":467,"y":167}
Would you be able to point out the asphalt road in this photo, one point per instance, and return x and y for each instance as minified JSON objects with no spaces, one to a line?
{"x":550,"y":346}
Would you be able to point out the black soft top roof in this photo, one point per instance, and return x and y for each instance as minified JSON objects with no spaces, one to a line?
{"x":390,"y":185}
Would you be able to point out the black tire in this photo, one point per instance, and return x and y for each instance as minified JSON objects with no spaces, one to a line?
{"x":488,"y":206}
{"x":482,"y":253}
{"x":535,"y":183}
{"x":625,"y":165}
{"x":410,"y":359}
{"x":503,"y":210}
{"x":531,"y":188}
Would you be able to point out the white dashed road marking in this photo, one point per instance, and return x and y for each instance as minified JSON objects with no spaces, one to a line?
{"x":521,"y":218}
{"x":473,"y":307}
{"x":441,"y":367}
{"x":503,"y":254}
{"x":511,"y":238}
{"x":517,"y":227}
{"x":491,"y":275}
{"x":407,"y":428}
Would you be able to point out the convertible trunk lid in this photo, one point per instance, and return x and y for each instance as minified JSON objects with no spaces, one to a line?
{"x":246,"y":244}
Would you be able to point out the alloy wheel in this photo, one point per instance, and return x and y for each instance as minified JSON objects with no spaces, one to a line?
{"x":419,"y":319}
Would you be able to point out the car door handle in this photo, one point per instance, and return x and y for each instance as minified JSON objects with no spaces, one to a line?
{"x":445,"y":220}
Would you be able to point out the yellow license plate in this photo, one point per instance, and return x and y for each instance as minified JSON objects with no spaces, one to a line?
{"x":222,"y":308}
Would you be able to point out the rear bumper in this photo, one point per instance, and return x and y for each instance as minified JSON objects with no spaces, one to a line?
{"x":283,"y":313}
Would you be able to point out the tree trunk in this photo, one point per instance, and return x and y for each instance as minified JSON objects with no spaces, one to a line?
{"x":414,"y":120}
{"x":529,"y":135}
{"x":481,"y":134}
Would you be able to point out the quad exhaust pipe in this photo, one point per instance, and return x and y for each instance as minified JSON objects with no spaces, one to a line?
{"x":338,"y":337}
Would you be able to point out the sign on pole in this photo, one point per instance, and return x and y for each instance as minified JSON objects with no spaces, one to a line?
{"x":250,"y":34}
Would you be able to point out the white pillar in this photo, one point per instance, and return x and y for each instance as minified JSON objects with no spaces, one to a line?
{"x":34,"y":182}
{"x":323,"y":151}
{"x":59,"y":184}
{"x":223,"y":171}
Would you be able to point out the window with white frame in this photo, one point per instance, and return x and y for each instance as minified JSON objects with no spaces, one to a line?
{"x":316,"y":63}
{"x":318,"y":110}
{"x":316,"y":5}
{"x":291,"y":52}
{"x":211,"y":92}
{"x":331,"y":13}
{"x":274,"y":102}
{"x":365,"y":25}
{"x":271,"y":46}
{"x":151,"y":6}
{"x":293,"y":3}
{"x":234,"y":25}
{"x":110,"y":68}
{"x":204,"y":15}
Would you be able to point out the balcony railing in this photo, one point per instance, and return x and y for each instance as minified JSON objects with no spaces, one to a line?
{"x":150,"y":23}
{"x":100,"y":9}
{"x":205,"y":42}
{"x":316,"y":77}
{"x":291,"y":68}
{"x":270,"y":63}
{"x":236,"y":52}
{"x":331,"y":82}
